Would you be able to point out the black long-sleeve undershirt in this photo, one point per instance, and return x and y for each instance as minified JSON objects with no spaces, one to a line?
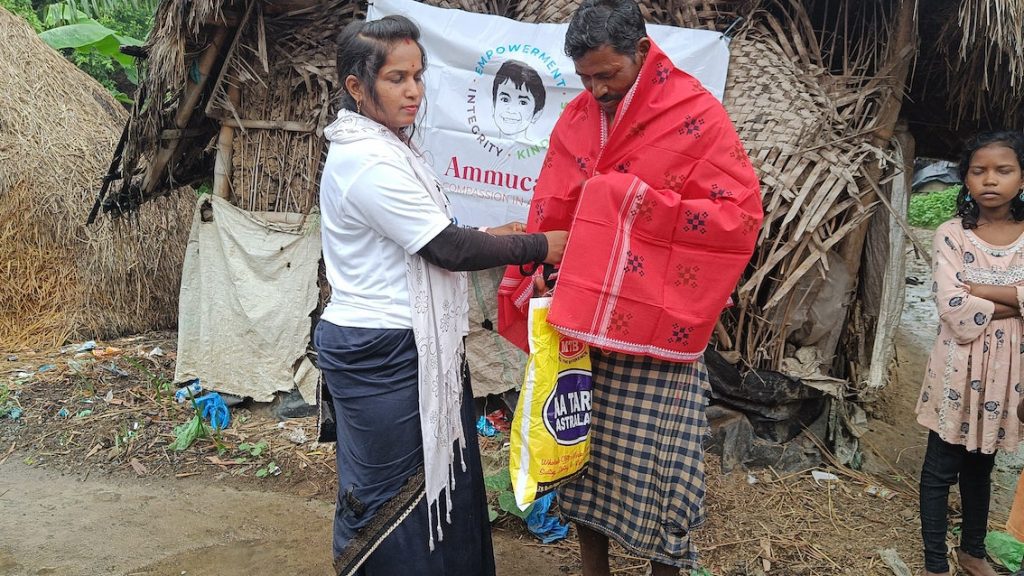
{"x":466,"y":249}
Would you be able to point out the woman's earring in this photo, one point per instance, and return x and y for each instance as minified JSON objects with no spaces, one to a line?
{"x":359,"y":107}
{"x":1021,"y":195}
{"x":968,"y":198}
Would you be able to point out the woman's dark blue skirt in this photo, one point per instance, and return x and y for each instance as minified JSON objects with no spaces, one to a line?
{"x":371,"y":375}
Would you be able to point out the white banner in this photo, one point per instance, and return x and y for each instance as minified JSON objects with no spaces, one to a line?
{"x":494,"y":89}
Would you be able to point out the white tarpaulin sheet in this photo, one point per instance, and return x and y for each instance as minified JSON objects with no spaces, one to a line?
{"x":247,"y":290}
{"x":486,"y":141}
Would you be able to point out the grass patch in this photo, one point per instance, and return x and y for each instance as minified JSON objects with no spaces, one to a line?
{"x":930,"y":210}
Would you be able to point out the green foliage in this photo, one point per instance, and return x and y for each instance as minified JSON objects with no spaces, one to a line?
{"x":24,"y":9}
{"x":271,"y":469}
{"x":85,"y":36}
{"x":500,"y":483}
{"x":930,"y":210}
{"x":97,"y":8}
{"x":161,"y":384}
{"x":7,"y":402}
{"x":507,"y":502}
{"x":253,"y":450}
{"x":127,"y":21}
{"x":60,"y":14}
{"x":105,"y":71}
{"x":187,"y":433}
{"x":90,"y":33}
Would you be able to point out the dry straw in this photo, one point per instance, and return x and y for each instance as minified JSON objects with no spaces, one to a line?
{"x":984,"y":45}
{"x":808,"y":135}
{"x":58,"y":128}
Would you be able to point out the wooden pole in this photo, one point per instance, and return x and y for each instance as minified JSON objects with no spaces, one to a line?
{"x":193,"y":92}
{"x":225,"y":149}
{"x":284,"y":125}
{"x":893,"y":294}
{"x":900,"y":55}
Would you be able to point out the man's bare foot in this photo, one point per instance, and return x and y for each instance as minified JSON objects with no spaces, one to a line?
{"x":974,"y":566}
{"x":927,"y":573}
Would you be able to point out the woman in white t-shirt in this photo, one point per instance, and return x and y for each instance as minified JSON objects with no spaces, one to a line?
{"x":411,"y":498}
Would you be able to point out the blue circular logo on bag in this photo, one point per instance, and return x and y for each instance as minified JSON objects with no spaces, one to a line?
{"x":567,"y":409}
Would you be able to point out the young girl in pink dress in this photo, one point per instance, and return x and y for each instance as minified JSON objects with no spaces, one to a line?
{"x":973,"y":382}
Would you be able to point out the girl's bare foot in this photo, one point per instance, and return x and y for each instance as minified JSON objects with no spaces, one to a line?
{"x":974,"y":566}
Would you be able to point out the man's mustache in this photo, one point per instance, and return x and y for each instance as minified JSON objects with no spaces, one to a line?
{"x":609,"y":98}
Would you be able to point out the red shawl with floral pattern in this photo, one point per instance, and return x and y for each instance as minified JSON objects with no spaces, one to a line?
{"x":663,"y":209}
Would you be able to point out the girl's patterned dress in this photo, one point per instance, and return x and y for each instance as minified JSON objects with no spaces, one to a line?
{"x":973,"y":381}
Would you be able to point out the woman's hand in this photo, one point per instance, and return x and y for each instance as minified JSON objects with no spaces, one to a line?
{"x":506,"y":229}
{"x":556,"y":249}
{"x":540,"y":284}
{"x":556,"y":246}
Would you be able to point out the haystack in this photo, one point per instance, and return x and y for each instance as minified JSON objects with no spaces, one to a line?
{"x":61,"y":279}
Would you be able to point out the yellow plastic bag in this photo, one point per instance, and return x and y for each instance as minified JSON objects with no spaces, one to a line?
{"x":550,"y":438}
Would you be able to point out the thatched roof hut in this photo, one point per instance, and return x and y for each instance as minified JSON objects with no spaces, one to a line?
{"x":827,"y":96}
{"x":61,"y":279}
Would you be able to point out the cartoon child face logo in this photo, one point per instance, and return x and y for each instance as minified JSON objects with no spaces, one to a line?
{"x":519,"y":97}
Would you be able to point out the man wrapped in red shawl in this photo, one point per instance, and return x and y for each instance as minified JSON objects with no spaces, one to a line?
{"x":663,"y":206}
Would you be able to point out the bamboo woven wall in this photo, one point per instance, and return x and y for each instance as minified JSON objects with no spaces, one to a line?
{"x":284,"y":71}
{"x":798,"y":137}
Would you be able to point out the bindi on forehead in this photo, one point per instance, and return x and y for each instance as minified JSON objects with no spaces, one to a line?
{"x":406,"y":57}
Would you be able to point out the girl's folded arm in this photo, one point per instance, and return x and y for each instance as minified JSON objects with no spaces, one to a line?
{"x":965,"y":315}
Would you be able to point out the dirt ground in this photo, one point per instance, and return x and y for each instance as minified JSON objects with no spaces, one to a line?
{"x":89,"y":486}
{"x":77,"y":524}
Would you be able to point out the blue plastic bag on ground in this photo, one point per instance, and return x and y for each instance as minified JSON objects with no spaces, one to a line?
{"x":546,"y":526}
{"x":212,"y":408}
{"x":188,"y":390}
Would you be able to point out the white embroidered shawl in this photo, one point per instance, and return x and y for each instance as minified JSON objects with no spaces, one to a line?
{"x":440,"y":321}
